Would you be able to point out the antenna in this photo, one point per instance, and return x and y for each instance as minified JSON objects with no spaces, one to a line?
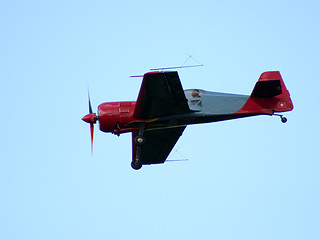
{"x":177,"y":67}
{"x":183,"y":158}
{"x":191,"y":56}
{"x":182,"y":65}
{"x":164,"y":68}
{"x":177,"y":160}
{"x":135,"y":76}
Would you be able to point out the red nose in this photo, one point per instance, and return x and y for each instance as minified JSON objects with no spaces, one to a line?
{"x":90,"y":118}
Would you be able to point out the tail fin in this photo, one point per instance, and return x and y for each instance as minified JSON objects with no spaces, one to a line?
{"x":269,"y":95}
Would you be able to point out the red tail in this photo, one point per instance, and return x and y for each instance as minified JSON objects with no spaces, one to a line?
{"x":268,"y":96}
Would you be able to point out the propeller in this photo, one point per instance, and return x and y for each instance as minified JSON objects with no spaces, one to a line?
{"x":90,"y":118}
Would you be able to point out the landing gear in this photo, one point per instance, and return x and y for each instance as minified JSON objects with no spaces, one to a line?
{"x":283,"y":119}
{"x":136,"y":164}
{"x":139,"y":140}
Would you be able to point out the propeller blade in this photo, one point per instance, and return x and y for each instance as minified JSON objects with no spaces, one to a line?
{"x":90,"y":108}
{"x":90,"y":118}
{"x":91,"y":133}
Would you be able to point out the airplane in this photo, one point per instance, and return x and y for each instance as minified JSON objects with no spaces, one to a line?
{"x":163,"y":110}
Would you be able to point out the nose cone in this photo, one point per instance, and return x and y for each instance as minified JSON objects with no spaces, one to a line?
{"x":90,"y":118}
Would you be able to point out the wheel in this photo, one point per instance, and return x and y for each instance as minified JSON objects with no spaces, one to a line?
{"x":139,"y":140}
{"x":284,"y":119}
{"x":136,"y":165}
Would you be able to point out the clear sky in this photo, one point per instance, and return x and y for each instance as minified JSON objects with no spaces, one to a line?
{"x":252,"y":178}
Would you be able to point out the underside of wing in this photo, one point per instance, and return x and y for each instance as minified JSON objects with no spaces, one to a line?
{"x":158,"y":145}
{"x":160,"y":95}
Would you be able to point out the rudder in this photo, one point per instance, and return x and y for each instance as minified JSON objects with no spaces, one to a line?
{"x":269,"y":95}
{"x":271,"y":86}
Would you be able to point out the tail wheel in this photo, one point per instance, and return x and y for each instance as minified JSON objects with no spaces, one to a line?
{"x":284,"y":119}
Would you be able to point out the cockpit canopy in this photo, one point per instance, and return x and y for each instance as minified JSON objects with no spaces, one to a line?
{"x":194,"y":98}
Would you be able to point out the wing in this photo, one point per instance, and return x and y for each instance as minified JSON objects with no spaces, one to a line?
{"x":159,"y":144}
{"x":160,"y":95}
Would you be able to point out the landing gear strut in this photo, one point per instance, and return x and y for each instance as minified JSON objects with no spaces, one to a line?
{"x":283,"y":119}
{"x":140,"y":139}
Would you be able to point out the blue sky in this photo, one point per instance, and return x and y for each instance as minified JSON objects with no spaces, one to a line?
{"x":252,"y":178}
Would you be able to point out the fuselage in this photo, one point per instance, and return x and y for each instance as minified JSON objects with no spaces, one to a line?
{"x":205,"y":106}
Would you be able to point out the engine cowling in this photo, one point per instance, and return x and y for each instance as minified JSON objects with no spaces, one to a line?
{"x":115,"y":114}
